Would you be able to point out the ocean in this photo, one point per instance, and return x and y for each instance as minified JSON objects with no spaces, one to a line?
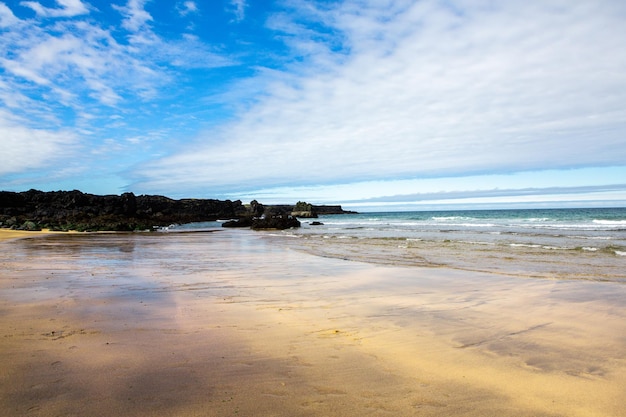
{"x":568,"y":243}
{"x":561,"y":243}
{"x":586,"y":229}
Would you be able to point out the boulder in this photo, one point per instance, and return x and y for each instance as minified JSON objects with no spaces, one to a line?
{"x":279,"y":222}
{"x":243,"y":222}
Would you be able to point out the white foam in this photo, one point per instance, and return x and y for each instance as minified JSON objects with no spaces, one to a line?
{"x":472,"y":242}
{"x":524,"y":245}
{"x":611,"y":222}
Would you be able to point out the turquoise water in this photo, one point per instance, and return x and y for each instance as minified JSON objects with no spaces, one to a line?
{"x":586,"y":229}
{"x":585,"y":244}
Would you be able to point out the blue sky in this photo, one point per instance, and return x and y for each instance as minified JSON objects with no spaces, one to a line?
{"x":384,"y":103}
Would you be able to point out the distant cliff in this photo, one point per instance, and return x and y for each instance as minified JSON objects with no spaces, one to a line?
{"x":331,"y":210}
{"x":74,"y":210}
{"x":313,"y":209}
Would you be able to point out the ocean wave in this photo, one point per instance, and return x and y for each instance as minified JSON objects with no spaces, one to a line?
{"x":537,"y":246}
{"x":589,"y":237}
{"x":285,"y":235}
{"x":610,"y":222}
{"x":475,"y":242}
{"x":467,"y":225}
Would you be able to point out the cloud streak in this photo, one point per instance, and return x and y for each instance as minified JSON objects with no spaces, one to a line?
{"x":417,"y":89}
{"x":31,"y":148}
{"x":187,"y":7}
{"x":69,"y":8}
{"x":493,"y":193}
{"x":63,"y":77}
{"x":238,"y":9}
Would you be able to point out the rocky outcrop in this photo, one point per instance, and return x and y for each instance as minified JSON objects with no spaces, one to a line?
{"x":279,"y":222}
{"x":332,"y":210}
{"x":260,"y":217}
{"x":74,"y":210}
{"x":314,"y":209}
{"x":304,"y":210}
{"x":245,"y":221}
{"x":281,"y":216}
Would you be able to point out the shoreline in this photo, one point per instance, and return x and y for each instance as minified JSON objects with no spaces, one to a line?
{"x":230,"y":323}
{"x":10,"y":234}
{"x":520,"y":262}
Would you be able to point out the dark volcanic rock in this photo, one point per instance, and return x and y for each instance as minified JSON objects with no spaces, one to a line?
{"x":256,"y":209}
{"x":243,"y":222}
{"x":304,"y":210}
{"x":331,"y":210}
{"x":316,"y":210}
{"x":275,"y":222}
{"x":74,"y":210}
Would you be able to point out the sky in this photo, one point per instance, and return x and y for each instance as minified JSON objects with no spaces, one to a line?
{"x":394,"y":104}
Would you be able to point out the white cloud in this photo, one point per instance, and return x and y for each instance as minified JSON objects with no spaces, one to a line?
{"x":238,"y":8}
{"x":69,"y":8}
{"x":420,"y":89}
{"x":187,"y":7}
{"x":81,"y":59}
{"x":24,"y":148}
{"x":7,"y":18}
{"x":136,"y":17}
{"x":62,"y":79}
{"x":78,"y":60}
{"x":370,"y":90}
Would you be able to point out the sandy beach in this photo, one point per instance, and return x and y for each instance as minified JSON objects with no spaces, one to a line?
{"x":230,"y":323}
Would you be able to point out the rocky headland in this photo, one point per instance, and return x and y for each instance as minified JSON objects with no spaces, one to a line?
{"x":75,"y":210}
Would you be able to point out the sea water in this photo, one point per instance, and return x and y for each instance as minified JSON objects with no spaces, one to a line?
{"x":586,"y":229}
{"x":564,"y":243}
{"x":548,"y":243}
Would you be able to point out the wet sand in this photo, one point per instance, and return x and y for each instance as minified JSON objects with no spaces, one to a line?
{"x":9,"y":234}
{"x":229,"y":323}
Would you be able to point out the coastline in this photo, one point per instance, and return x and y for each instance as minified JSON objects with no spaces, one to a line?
{"x":9,"y":234}
{"x":521,"y":262}
{"x":230,"y":323}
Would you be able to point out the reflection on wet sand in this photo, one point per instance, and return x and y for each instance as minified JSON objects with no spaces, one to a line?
{"x":230,"y":323}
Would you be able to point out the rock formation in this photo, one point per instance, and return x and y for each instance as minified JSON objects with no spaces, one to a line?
{"x":304,"y":210}
{"x":74,"y":210}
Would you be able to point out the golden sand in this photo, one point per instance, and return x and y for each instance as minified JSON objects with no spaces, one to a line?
{"x":225,"y":324}
{"x":8,"y":234}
